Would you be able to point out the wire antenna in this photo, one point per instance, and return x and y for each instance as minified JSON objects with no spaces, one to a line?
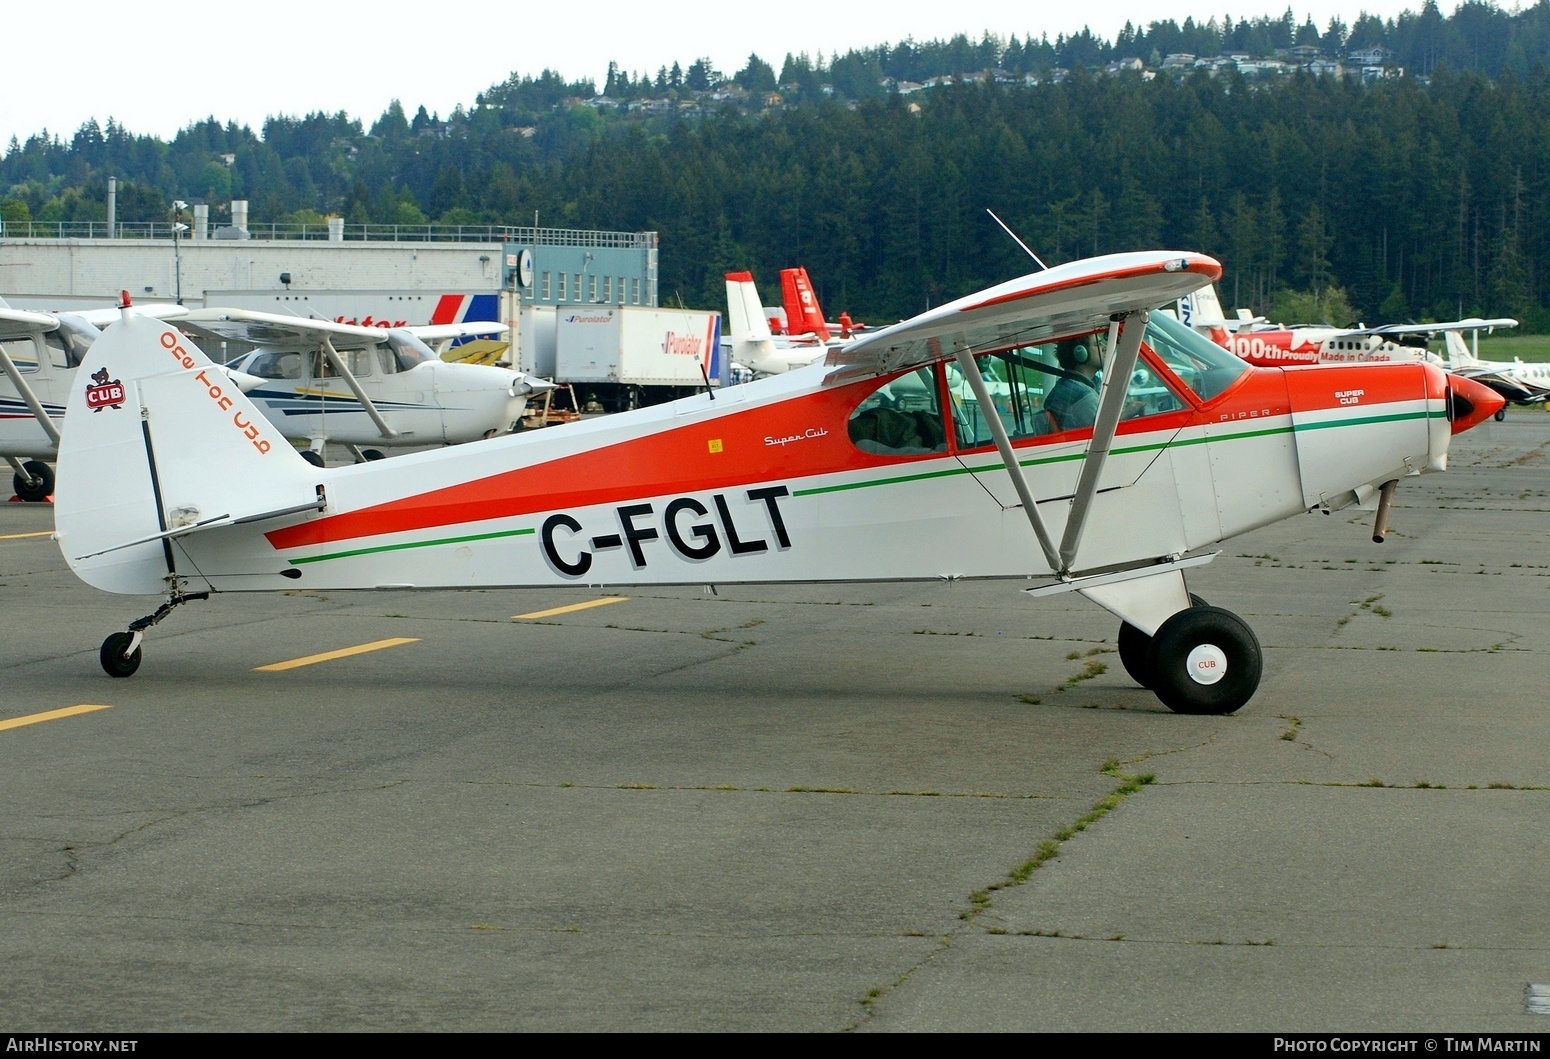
{"x":1019,"y":242}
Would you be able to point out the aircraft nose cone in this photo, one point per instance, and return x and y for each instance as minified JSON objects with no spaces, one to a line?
{"x":1471,"y":402}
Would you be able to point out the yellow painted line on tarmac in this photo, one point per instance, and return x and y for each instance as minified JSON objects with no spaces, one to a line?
{"x":19,"y":536}
{"x":588,"y":605}
{"x":51,"y":715}
{"x":343,"y":652}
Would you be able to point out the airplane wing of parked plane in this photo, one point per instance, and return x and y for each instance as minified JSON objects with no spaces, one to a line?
{"x":359,"y":385}
{"x":1062,"y":300}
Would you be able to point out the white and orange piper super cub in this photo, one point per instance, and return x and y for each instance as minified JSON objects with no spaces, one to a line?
{"x":920,"y":451}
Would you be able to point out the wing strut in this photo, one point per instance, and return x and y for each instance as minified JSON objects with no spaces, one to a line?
{"x":1008,"y":457}
{"x":14,"y":374}
{"x":360,"y":394}
{"x":1111,"y":402}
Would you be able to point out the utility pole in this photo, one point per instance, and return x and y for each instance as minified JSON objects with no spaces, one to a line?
{"x":178,"y":228}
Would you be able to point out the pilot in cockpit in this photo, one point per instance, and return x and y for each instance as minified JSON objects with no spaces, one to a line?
{"x":1073,"y":401}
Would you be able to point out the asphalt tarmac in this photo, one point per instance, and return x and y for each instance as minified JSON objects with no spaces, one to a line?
{"x":852,"y":808}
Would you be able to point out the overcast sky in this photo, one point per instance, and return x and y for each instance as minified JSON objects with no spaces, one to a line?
{"x":155,"y":70}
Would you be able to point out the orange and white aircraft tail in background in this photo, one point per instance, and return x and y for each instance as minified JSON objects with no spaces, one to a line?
{"x":755,"y":346}
{"x":920,"y":451}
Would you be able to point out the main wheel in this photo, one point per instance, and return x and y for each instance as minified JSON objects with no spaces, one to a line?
{"x":314,"y":458}
{"x":1135,"y":649}
{"x":39,"y":486}
{"x":1501,"y":413}
{"x":114,"y":661}
{"x":372,"y":454}
{"x":1205,"y":660}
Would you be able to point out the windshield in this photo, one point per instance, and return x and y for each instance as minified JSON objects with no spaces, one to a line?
{"x":73,"y":339}
{"x":1205,"y":367}
{"x":409,"y":350}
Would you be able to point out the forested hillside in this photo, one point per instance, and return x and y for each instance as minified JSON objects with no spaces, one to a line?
{"x":1422,"y":194}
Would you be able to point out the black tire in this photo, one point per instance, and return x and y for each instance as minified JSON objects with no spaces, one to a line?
{"x":1135,"y":649}
{"x":1205,"y":660}
{"x":1501,"y":413}
{"x":1135,"y":654}
{"x":114,"y":662}
{"x":311,"y":457}
{"x":372,"y":454}
{"x":39,"y":486}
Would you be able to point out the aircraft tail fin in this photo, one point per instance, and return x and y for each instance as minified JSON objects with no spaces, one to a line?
{"x":1459,"y":355}
{"x":752,"y":342}
{"x":1202,"y":311}
{"x":160,"y":443}
{"x":803,"y":316}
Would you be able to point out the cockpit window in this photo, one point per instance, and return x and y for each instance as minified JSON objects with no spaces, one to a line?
{"x":23,"y":354}
{"x":1205,"y":367}
{"x":1052,"y":388}
{"x":408,"y":350}
{"x":268,"y":364}
{"x":901,"y":417}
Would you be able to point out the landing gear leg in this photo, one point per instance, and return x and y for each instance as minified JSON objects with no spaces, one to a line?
{"x":120,"y":654}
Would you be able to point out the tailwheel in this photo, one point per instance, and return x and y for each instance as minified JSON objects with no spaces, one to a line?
{"x":1205,"y":660}
{"x":1135,"y":649}
{"x":37,"y":485}
{"x":117,"y":658}
{"x":120,"y":654}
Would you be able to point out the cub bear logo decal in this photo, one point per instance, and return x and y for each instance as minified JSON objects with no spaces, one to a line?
{"x":103,"y":393}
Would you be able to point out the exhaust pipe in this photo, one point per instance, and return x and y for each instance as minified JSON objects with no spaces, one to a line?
{"x":1380,"y":527}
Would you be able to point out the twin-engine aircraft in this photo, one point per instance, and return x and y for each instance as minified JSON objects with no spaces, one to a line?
{"x":367,"y":388}
{"x":920,"y":451}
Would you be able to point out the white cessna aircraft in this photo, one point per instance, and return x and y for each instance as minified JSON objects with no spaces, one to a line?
{"x":360,"y":386}
{"x":173,"y":484}
{"x":39,"y":353}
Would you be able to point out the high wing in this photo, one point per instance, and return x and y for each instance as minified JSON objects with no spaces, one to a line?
{"x":465,"y":329}
{"x":106,"y":317}
{"x":281,"y":333}
{"x":19,"y":323}
{"x":1471,"y":324}
{"x":277,"y":332}
{"x":1064,"y":300}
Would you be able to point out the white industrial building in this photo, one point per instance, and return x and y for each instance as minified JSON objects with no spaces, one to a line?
{"x":87,"y":266}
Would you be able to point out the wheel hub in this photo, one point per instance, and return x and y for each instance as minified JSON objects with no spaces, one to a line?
{"x":1206,"y":664}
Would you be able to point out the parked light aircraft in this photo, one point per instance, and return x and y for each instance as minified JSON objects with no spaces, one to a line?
{"x":1520,"y":383}
{"x":755,"y":346}
{"x":1279,"y":346}
{"x":764,"y":345}
{"x":859,"y":468}
{"x":39,"y":353}
{"x":358,"y":385}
